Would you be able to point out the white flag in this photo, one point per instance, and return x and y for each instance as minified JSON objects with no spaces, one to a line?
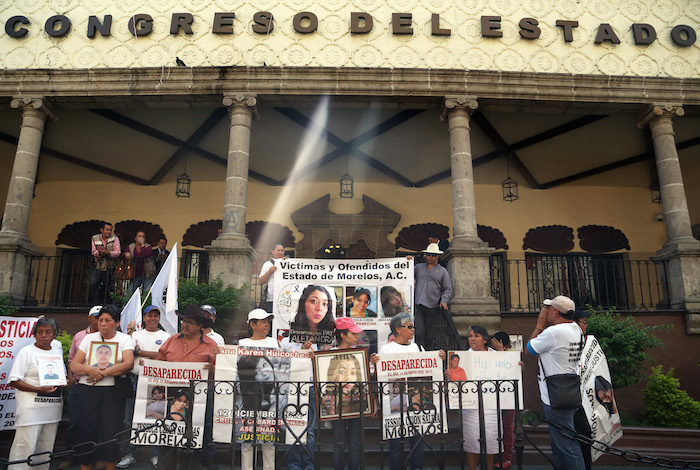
{"x":131,"y":311}
{"x":164,"y":293}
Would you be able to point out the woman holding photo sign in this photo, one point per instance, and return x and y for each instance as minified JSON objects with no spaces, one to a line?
{"x":103,"y":402}
{"x":402,"y":327}
{"x":37,"y":415}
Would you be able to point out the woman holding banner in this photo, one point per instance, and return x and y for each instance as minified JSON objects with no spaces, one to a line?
{"x":478,"y":337}
{"x":267,"y":275}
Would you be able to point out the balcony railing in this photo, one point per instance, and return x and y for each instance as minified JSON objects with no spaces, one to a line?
{"x":606,"y":281}
{"x":64,"y":281}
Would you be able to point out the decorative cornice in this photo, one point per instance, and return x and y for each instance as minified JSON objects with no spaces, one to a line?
{"x":97,"y":86}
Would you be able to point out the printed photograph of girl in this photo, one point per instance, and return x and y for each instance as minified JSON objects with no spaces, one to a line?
{"x":393,"y":302}
{"x":362,"y":302}
{"x":315,"y":309}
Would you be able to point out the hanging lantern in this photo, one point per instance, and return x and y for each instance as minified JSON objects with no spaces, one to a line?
{"x":346,"y":186}
{"x":510,"y":189}
{"x":655,"y":193}
{"x":183,"y":185}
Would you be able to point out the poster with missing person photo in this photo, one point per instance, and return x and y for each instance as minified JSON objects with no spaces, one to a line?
{"x":598,"y":394}
{"x":163,"y":392}
{"x":265,"y":391}
{"x":312,"y":293}
{"x":411,"y":400}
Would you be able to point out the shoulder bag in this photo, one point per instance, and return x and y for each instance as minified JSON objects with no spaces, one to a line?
{"x":564,"y":389}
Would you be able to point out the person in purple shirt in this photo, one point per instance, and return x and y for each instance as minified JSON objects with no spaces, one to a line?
{"x":141,"y":254}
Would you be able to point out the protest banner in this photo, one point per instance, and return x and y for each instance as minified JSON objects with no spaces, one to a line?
{"x":265,"y":391}
{"x":488,"y":366}
{"x":163,"y":392}
{"x":411,"y":402}
{"x":15,"y":333}
{"x":340,"y":374}
{"x":370,"y":291}
{"x":598,"y":396}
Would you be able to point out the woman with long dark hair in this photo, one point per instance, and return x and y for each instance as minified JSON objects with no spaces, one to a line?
{"x":315,"y":310}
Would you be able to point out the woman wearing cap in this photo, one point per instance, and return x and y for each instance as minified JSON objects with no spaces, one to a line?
{"x":345,"y":369}
{"x":252,"y":386}
{"x":267,"y":274}
{"x":102,"y":406}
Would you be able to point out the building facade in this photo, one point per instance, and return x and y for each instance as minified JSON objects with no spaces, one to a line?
{"x":432,"y":107}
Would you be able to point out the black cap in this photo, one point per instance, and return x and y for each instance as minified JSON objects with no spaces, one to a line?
{"x":580,"y":313}
{"x":197,"y":313}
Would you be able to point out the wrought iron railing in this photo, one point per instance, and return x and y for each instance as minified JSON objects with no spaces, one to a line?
{"x":521,"y":285}
{"x":64,"y":281}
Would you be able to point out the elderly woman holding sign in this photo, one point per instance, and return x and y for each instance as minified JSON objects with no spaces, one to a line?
{"x":39,"y":407}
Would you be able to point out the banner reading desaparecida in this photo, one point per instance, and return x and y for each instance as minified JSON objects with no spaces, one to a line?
{"x":264,"y":392}
{"x":312,"y":293}
{"x":163,"y":392}
{"x":15,"y":333}
{"x":598,"y":396}
{"x":410,"y":397}
{"x":489,"y":366}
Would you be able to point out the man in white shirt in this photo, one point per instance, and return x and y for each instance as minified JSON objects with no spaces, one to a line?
{"x":557,"y":340}
{"x":211,"y":314}
{"x":147,"y":342}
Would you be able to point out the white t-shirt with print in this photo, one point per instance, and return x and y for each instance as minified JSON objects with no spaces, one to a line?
{"x":33,"y":408}
{"x":268,"y":342}
{"x":396,"y":348}
{"x":559,"y":349}
{"x":270,"y":281}
{"x":149,"y":341}
{"x":218,"y":339}
{"x":125,"y":344}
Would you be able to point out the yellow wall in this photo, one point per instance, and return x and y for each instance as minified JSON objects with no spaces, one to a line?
{"x":627,"y":208}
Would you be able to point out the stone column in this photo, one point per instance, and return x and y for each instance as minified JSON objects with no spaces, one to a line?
{"x":231,"y":255}
{"x":681,"y":252}
{"x":468,"y":256}
{"x":15,"y":246}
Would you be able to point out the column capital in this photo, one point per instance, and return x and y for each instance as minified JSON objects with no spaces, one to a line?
{"x":41,"y":103}
{"x":454,"y":102}
{"x":657,"y":110}
{"x":249,"y":100}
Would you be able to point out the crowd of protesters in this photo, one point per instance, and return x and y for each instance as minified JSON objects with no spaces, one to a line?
{"x":101,"y":395}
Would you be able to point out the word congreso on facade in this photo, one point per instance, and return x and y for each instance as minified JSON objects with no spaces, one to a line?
{"x":141,"y":25}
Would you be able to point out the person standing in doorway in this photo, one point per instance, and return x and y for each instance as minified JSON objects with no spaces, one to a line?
{"x":433,"y":291}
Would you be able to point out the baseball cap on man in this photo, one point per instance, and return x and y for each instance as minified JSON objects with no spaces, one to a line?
{"x":209,"y":309}
{"x":562,"y":303}
{"x":151,"y":308}
{"x":258,"y":314}
{"x":345,"y":323}
{"x":95,"y":310}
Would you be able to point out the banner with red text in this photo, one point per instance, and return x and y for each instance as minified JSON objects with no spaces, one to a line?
{"x":15,"y":333}
{"x":370,"y":291}
{"x":266,"y":391}
{"x":163,"y":392}
{"x":410,"y":393}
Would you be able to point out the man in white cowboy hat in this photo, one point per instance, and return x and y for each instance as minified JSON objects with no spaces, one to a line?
{"x":433,"y":291}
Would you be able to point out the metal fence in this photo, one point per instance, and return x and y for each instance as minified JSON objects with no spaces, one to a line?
{"x":64,"y":281}
{"x":422,"y":406}
{"x":607,"y":281}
